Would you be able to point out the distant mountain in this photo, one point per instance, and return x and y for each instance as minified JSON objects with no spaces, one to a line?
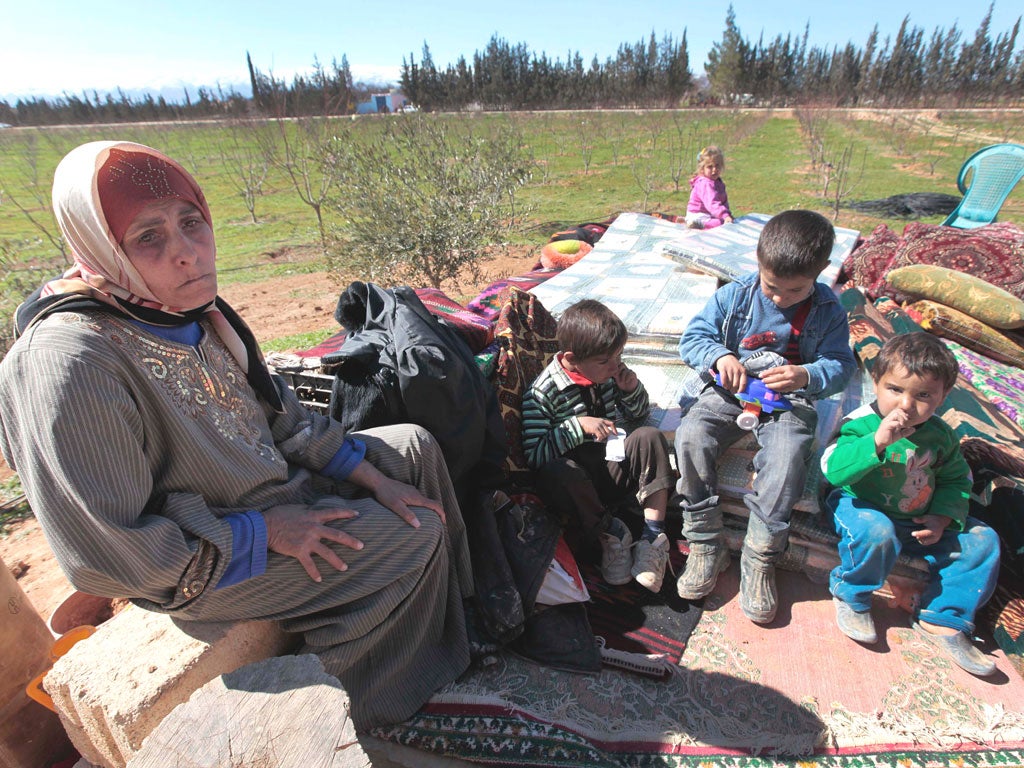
{"x":372,"y":78}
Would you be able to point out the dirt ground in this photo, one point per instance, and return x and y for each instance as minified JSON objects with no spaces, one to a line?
{"x":274,"y":309}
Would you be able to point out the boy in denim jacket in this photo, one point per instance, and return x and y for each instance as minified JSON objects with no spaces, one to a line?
{"x":782,"y":315}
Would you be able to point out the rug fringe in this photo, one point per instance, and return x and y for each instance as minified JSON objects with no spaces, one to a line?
{"x":653,"y":664}
{"x":997,"y":726}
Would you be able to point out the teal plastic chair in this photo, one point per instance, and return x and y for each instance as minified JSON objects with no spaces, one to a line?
{"x":994,"y":172}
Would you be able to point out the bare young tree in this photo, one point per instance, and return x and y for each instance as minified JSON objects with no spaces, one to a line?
{"x":843,"y":177}
{"x":248,"y":165}
{"x":30,"y":195}
{"x":586,"y":132}
{"x":302,"y":148}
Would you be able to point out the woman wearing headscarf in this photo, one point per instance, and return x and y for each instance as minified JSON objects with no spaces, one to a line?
{"x":167,"y":465}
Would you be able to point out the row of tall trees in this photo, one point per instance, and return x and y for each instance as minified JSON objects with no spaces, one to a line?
{"x":648,"y":73}
{"x":323,"y":91}
{"x":945,"y":68}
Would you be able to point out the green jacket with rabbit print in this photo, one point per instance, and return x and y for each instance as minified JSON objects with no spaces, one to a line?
{"x":924,"y":473}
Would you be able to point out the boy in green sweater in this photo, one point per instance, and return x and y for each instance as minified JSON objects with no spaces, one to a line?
{"x":903,"y":485}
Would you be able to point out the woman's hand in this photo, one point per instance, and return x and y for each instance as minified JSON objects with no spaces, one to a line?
{"x":393,"y":494}
{"x":398,"y":497}
{"x":597,"y":428}
{"x":298,"y":531}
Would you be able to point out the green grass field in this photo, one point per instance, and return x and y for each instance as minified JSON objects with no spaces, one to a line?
{"x":587,"y":165}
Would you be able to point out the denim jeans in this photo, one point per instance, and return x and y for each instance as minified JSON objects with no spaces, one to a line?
{"x":785,"y":439}
{"x":963,"y":565}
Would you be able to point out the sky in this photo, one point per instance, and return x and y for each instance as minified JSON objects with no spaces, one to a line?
{"x":55,"y":47}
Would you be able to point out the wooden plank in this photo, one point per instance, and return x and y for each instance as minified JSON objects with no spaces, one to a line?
{"x":278,"y":712}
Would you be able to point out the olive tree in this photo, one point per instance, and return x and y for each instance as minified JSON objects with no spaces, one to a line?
{"x":423,"y":197}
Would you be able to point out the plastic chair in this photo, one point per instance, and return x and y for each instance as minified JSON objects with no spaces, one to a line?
{"x":994,"y":172}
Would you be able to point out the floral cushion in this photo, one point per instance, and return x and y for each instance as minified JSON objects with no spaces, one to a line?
{"x":971,"y":295}
{"x":525,"y":332}
{"x":1001,"y":384}
{"x":867,"y":264}
{"x":993,"y":253}
{"x":954,"y":325}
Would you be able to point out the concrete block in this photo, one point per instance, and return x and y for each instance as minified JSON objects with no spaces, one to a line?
{"x":112,"y":689}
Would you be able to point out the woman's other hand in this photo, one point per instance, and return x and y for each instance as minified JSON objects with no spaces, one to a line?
{"x":297,"y":531}
{"x":398,"y":497}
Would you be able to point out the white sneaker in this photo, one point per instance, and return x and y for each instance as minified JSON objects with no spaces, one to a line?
{"x":615,"y":553}
{"x":649,"y":562}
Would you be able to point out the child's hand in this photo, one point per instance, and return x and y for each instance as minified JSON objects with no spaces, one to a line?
{"x":727,"y":219}
{"x":893,"y":427}
{"x":932,"y":527}
{"x":626,"y":379}
{"x":785,"y":378}
{"x":597,"y":428}
{"x":732,"y":373}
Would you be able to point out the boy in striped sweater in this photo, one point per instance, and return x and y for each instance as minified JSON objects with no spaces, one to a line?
{"x":569,"y":412}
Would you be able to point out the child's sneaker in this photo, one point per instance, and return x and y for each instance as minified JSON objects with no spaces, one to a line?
{"x":703,"y":565}
{"x":616,"y":557}
{"x":856,"y":625}
{"x":961,"y":651}
{"x":649,"y":561}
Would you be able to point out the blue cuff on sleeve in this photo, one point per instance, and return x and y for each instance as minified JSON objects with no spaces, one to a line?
{"x":345,"y":460}
{"x":248,"y":548}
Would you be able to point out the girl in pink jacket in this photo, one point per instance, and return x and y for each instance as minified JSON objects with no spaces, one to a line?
{"x":709,"y":203}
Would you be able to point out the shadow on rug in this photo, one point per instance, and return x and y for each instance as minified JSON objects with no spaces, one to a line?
{"x":633,"y":619}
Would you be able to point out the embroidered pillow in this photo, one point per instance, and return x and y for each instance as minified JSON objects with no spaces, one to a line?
{"x":870,"y":260}
{"x":993,"y":253}
{"x":971,"y":295}
{"x":525,"y":332}
{"x":954,"y":325}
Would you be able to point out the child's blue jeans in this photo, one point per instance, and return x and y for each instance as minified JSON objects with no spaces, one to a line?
{"x":963,"y":565}
{"x":785,"y":439}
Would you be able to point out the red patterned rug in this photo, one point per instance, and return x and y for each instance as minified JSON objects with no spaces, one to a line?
{"x":633,"y":619}
{"x":796,"y":692}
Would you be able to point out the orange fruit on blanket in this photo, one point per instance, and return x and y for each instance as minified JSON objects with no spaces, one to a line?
{"x":564,"y":253}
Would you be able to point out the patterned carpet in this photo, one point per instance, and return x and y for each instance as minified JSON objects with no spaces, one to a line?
{"x":794,"y":693}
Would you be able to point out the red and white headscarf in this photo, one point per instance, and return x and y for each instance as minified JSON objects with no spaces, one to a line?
{"x":98,"y":190}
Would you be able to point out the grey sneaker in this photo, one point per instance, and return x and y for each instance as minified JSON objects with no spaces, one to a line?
{"x":649,"y":561}
{"x":616,"y":557}
{"x":758,"y":597}
{"x":961,"y":650}
{"x":703,"y":565}
{"x":854,"y":624}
